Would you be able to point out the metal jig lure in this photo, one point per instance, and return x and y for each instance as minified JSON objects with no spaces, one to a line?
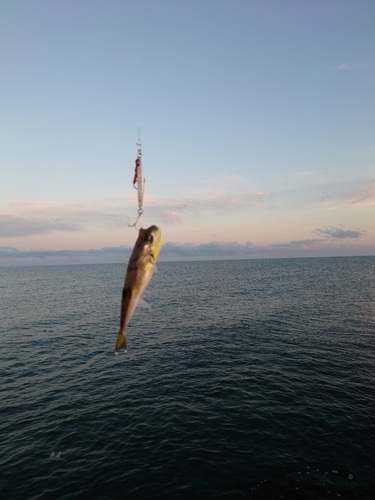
{"x":139,"y":181}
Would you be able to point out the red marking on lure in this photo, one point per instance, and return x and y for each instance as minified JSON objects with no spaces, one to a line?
{"x":137,"y":163}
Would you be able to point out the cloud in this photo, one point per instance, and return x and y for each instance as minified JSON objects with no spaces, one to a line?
{"x":362,"y":195}
{"x":210,"y":200}
{"x":14,"y":253}
{"x":350,"y":66}
{"x":189,"y":251}
{"x":344,"y":194}
{"x":31,"y":217}
{"x":296,"y":248}
{"x":213,"y":249}
{"x":338,"y":233}
{"x":13,"y":226}
{"x":81,"y":211}
{"x":169,"y":216}
{"x":227,"y":181}
{"x":330,"y":195}
{"x":202,"y":199}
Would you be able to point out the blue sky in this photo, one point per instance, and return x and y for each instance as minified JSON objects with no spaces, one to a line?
{"x":257,"y":123}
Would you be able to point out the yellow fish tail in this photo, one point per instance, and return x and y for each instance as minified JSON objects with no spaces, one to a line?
{"x":121,"y":342}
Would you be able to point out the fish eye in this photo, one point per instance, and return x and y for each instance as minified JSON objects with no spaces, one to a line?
{"x":151,"y":238}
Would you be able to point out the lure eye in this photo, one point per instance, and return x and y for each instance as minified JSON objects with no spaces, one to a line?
{"x":151,"y":238}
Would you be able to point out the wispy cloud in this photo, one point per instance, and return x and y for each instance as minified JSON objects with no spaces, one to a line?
{"x":168,"y":216}
{"x":350,"y":66}
{"x":66,"y":210}
{"x":14,"y":253}
{"x":340,"y":234}
{"x":362,"y":195}
{"x":359,"y":194}
{"x":27,"y":218}
{"x":229,"y":182}
{"x":211,"y":200}
{"x":329,"y":195}
{"x":32,"y":217}
{"x":14,"y":226}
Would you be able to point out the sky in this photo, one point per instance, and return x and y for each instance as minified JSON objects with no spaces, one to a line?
{"x":257,"y":122}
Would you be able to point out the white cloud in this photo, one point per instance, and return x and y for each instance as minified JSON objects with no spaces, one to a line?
{"x":350,"y":66}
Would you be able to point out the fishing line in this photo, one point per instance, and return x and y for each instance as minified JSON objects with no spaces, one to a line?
{"x":138,"y":180}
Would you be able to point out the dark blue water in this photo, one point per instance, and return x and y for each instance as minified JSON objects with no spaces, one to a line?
{"x":248,"y":379}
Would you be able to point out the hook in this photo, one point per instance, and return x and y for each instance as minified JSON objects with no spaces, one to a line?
{"x":140,"y":212}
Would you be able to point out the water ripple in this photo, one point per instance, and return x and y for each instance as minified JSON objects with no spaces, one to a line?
{"x":248,"y":379}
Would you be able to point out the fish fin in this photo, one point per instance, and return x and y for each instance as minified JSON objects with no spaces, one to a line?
{"x":143,"y":303}
{"x":121,"y":342}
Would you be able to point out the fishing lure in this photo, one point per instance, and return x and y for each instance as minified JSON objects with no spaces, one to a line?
{"x":139,"y":181}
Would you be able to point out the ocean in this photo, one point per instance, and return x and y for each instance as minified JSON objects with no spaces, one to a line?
{"x":247,"y":379}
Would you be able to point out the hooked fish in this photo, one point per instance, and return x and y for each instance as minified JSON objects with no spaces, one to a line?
{"x":140,"y":268}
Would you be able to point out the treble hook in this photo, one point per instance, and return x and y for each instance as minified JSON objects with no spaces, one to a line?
{"x":140,"y":212}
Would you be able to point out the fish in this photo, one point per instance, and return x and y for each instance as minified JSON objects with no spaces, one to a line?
{"x":138,"y":274}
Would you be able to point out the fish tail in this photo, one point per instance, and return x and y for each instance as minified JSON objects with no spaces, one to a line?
{"x":121,"y":342}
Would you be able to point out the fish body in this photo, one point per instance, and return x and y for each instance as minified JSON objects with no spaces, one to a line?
{"x":140,"y":268}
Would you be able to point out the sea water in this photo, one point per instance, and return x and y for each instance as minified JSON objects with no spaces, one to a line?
{"x":247,"y":379}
